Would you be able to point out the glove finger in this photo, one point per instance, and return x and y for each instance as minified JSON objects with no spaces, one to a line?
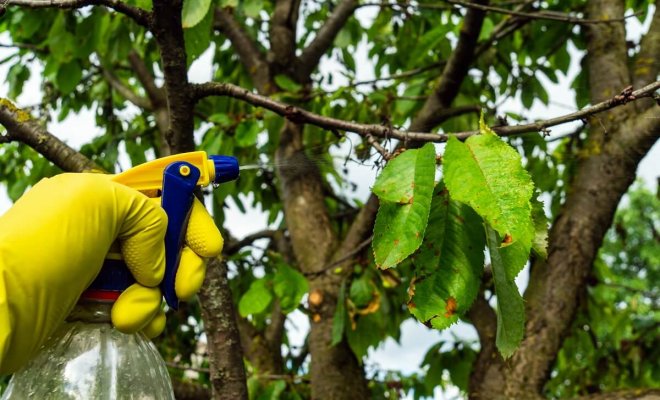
{"x":142,"y":236}
{"x":190,"y":275}
{"x":156,"y":326}
{"x":135,"y":308}
{"x":202,"y":236}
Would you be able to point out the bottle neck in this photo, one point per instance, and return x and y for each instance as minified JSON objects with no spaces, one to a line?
{"x":91,"y":311}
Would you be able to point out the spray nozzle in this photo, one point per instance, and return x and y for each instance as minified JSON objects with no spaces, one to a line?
{"x":224,"y":168}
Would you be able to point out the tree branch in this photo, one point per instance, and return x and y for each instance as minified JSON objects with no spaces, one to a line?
{"x":541,"y":14}
{"x":251,"y":57}
{"x":186,"y":390}
{"x":21,"y":127}
{"x":453,"y":74}
{"x":218,"y":311}
{"x":156,"y":95}
{"x":299,"y":115}
{"x":608,"y":53}
{"x":484,"y":320}
{"x":234,"y":247}
{"x":142,"y":17}
{"x":626,"y":394}
{"x":283,"y":35}
{"x":168,"y":33}
{"x":647,"y":61}
{"x":125,"y":91}
{"x":309,"y":59}
{"x":401,"y":75}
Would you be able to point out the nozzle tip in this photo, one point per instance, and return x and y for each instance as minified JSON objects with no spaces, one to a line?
{"x":226,"y":168}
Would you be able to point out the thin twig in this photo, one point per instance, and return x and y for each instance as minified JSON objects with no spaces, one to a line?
{"x":350,"y":254}
{"x":382,"y":150}
{"x":187,"y":368}
{"x":139,"y":15}
{"x":548,"y":15}
{"x":541,"y":14}
{"x":299,"y":115}
{"x":234,"y":247}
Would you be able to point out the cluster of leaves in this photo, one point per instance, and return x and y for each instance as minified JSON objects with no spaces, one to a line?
{"x":484,"y":200}
{"x":613,"y":344}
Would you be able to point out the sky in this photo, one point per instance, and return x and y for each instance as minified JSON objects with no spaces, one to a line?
{"x":416,"y":339}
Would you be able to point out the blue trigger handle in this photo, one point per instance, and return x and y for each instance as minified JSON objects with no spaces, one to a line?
{"x":179,"y":181}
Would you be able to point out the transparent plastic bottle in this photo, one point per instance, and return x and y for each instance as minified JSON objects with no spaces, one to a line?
{"x":87,"y":359}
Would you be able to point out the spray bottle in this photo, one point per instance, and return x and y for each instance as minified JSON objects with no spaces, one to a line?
{"x":87,"y":358}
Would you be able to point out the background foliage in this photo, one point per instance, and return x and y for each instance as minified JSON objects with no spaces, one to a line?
{"x":436,"y":217}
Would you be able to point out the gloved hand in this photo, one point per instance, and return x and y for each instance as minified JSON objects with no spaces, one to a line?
{"x":52,"y":245}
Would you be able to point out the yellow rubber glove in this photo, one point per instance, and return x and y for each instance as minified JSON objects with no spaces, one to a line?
{"x":52,"y":245}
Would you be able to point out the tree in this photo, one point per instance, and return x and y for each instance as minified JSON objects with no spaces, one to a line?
{"x":437,"y":66}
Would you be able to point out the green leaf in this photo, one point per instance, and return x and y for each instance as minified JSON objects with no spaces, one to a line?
{"x":68,"y":76}
{"x":362,"y":291}
{"x":339,"y":318}
{"x":487,"y":174}
{"x":510,"y":307}
{"x":252,"y":8}
{"x":486,"y":29}
{"x":289,"y":286}
{"x":18,"y":74}
{"x":193,"y":12}
{"x":399,"y":228}
{"x":256,"y":300}
{"x":449,"y":263}
{"x":198,"y":38}
{"x":343,"y":38}
{"x":287,"y":83}
{"x":246,"y":133}
{"x":399,"y":179}
{"x":17,"y":188}
{"x":540,"y":242}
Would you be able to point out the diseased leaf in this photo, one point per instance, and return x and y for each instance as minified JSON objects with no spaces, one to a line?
{"x":449,"y":263}
{"x":540,"y":242}
{"x":256,"y":300}
{"x":397,"y":183}
{"x":289,"y":286}
{"x":399,"y":228}
{"x":193,"y":12}
{"x":487,"y":174}
{"x":510,"y":307}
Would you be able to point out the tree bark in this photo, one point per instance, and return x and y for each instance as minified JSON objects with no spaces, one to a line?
{"x":335,"y":371}
{"x":225,"y":353}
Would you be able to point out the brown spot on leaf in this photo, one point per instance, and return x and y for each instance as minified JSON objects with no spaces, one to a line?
{"x":396,"y":242}
{"x":507,"y":239}
{"x":316,"y":318}
{"x":450,"y":308}
{"x":417,"y":235}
